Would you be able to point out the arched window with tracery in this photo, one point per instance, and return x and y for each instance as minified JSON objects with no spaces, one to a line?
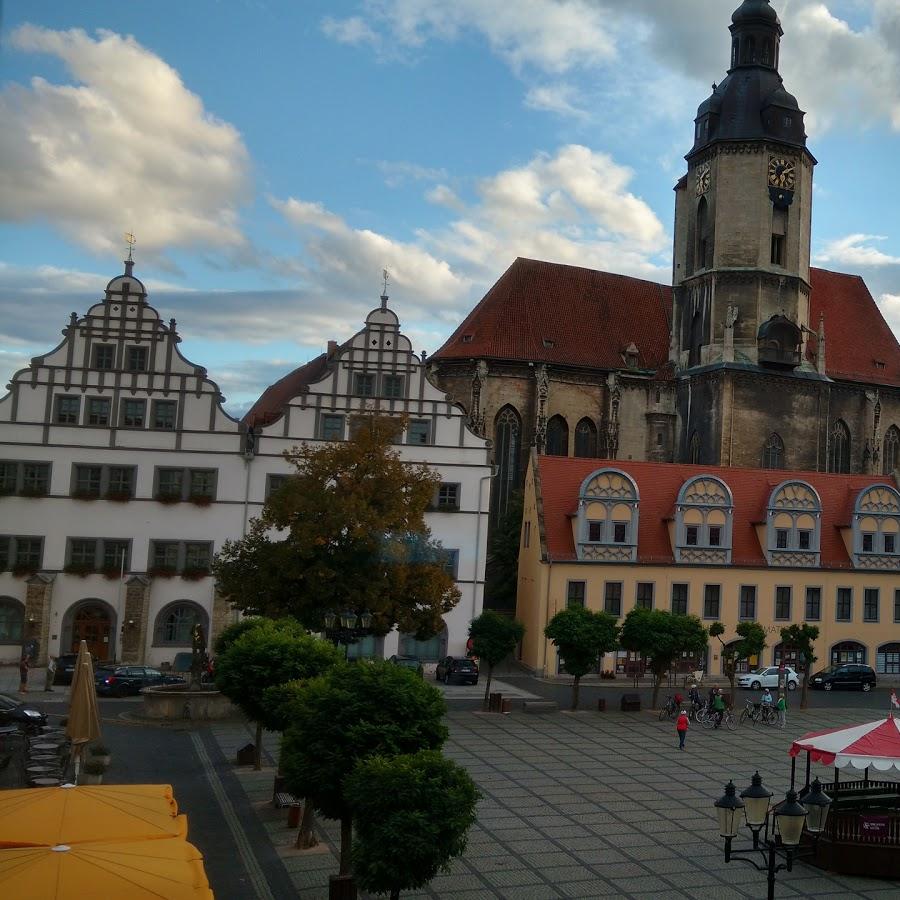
{"x":175,"y":623}
{"x":586,"y":439}
{"x":876,"y":528}
{"x":507,"y":453}
{"x":12,"y":620}
{"x":557,"y":443}
{"x":773,"y":452}
{"x":793,"y":525}
{"x":890,"y":457}
{"x":703,"y":520}
{"x":839,"y":448}
{"x":606,"y":527}
{"x":694,"y":449}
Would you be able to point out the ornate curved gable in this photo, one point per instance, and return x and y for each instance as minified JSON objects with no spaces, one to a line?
{"x":703,"y":521}
{"x":793,"y":525}
{"x":607,"y":522}
{"x":876,"y":528}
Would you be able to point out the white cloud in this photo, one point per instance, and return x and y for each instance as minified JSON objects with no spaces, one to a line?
{"x":890,"y":309}
{"x":557,"y":98}
{"x":856,"y":250}
{"x":353,"y":30}
{"x":126,"y":147}
{"x":398,"y":173}
{"x":441,"y":195}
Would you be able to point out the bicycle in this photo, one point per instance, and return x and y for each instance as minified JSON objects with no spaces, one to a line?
{"x":728,"y":720}
{"x":669,"y":709}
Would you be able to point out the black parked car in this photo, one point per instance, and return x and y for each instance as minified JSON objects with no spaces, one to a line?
{"x":119,"y":681}
{"x":14,"y":712}
{"x":847,"y":675}
{"x":459,"y":667}
{"x":65,"y":668}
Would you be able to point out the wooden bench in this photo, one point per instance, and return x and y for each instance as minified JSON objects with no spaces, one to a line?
{"x":283,"y":799}
{"x":540,"y":706}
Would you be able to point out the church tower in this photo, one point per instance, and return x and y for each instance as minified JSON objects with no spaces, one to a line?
{"x":743,"y":212}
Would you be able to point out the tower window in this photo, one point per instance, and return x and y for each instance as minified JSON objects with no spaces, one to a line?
{"x":777,"y":249}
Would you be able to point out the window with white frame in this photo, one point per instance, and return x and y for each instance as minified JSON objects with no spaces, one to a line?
{"x":575,"y":592}
{"x":703,"y":521}
{"x":26,"y":478}
{"x":876,"y":527}
{"x":813,"y":611}
{"x":418,"y":431}
{"x":68,"y":409}
{"x":196,"y":485}
{"x":190,"y":558}
{"x":134,"y":413}
{"x":607,"y":521}
{"x":612,"y":598}
{"x":20,"y":552}
{"x":446,"y":497}
{"x":392,"y":386}
{"x":98,"y":411}
{"x":331,"y":427}
{"x":164,"y":413}
{"x":712,"y":601}
{"x":12,"y":620}
{"x":364,"y":384}
{"x":793,"y":525}
{"x":679,"y":599}
{"x":747,"y":602}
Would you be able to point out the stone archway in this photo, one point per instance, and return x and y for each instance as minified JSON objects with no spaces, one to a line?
{"x":93,"y":621}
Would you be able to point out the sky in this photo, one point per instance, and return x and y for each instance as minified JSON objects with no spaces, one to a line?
{"x":272,"y":157}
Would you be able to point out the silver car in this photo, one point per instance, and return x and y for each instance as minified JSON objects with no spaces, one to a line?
{"x":768,"y":678}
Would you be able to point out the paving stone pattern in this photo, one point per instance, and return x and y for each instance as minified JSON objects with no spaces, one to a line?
{"x":592,"y":805}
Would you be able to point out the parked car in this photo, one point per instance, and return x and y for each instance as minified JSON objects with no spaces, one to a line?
{"x":846,"y":675}
{"x":409,"y":662}
{"x":459,"y":667}
{"x":65,"y":668}
{"x":15,"y":712}
{"x":120,"y":681}
{"x":768,"y":678}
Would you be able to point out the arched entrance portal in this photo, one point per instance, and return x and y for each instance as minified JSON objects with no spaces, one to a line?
{"x":92,"y":621}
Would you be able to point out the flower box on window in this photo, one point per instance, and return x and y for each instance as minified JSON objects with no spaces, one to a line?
{"x":82,"y":570}
{"x":117,"y":496}
{"x":167,"y":498}
{"x":162,"y":571}
{"x":111,"y":573}
{"x":85,"y":495}
{"x":200,"y":499}
{"x":23,"y":570}
{"x":29,"y":491}
{"x":195,"y":573}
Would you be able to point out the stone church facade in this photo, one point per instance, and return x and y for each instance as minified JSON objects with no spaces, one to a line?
{"x":751,"y":358}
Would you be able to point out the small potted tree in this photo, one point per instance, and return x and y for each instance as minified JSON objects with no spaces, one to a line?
{"x":100,"y":753}
{"x":91,"y":772}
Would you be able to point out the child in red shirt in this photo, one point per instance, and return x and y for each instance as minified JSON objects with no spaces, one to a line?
{"x":681,"y":726}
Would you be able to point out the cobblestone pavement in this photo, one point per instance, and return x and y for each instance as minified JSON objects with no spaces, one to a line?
{"x":590,"y":805}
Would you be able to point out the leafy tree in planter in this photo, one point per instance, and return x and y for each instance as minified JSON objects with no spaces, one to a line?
{"x":581,"y":637}
{"x":661,"y":637}
{"x":268,"y":654}
{"x":494,"y":637}
{"x":752,"y":643}
{"x":354,"y":712}
{"x":346,"y":531}
{"x":230,"y":633}
{"x":411,"y":814}
{"x":802,"y":638}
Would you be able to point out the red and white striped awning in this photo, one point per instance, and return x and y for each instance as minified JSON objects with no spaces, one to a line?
{"x":875,"y":745}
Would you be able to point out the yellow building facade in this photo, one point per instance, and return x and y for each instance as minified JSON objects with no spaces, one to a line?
{"x":725,"y":545}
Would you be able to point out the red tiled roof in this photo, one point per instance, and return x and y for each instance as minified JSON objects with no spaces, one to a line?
{"x":545,"y":312}
{"x":658,"y":485}
{"x":857,"y":337}
{"x":274,"y":398}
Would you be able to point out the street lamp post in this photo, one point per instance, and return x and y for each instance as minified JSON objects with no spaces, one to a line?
{"x":783,"y":824}
{"x":347,"y":627}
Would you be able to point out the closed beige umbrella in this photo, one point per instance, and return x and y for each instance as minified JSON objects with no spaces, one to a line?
{"x":84,"y":720}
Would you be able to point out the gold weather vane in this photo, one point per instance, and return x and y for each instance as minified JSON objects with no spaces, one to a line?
{"x":131,"y":241}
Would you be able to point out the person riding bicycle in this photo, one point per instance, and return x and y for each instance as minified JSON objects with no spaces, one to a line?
{"x":767,"y":698}
{"x":719,"y":707}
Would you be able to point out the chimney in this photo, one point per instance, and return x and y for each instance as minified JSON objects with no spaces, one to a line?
{"x":332,"y":349}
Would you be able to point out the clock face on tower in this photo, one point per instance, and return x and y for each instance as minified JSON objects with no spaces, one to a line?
{"x":703,"y":179}
{"x":781,"y":173}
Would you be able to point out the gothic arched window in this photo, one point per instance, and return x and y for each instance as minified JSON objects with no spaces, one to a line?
{"x":557,"y":437}
{"x":694,"y":449}
{"x":175,"y":623}
{"x":586,"y":439}
{"x":891,"y":455}
{"x":507,"y":447}
{"x":773,"y":453}
{"x":839,"y":448}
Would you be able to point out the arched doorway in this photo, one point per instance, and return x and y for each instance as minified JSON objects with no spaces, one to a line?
{"x":888,"y":659}
{"x":92,"y":621}
{"x":848,"y":652}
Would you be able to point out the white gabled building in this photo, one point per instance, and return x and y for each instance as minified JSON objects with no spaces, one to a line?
{"x":121,"y":476}
{"x":377,"y":371}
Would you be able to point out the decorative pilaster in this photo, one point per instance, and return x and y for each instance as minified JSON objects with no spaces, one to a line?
{"x":135,"y":619}
{"x":612,"y":417}
{"x":38,"y":598}
{"x":542,"y":394}
{"x":476,"y":413}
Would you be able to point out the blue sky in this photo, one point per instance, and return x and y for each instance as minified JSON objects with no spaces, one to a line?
{"x":273,"y":156}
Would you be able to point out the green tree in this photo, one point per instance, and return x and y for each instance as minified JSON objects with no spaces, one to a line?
{"x":661,"y":637}
{"x":268,"y":654}
{"x":752,"y":642}
{"x":802,"y":638}
{"x":581,"y":637}
{"x":347,"y":530}
{"x":494,"y":637}
{"x":411,"y":815}
{"x":502,"y":570}
{"x":351,"y":713}
{"x":230,"y":633}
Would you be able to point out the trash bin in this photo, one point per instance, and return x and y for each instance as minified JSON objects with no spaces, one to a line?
{"x":601,"y":704}
{"x":295,"y":813}
{"x":506,"y":705}
{"x":495,"y":701}
{"x":246,"y":755}
{"x":631,"y":703}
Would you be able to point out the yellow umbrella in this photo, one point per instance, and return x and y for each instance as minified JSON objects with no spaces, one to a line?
{"x":80,"y":815}
{"x":84,"y":721}
{"x":142,"y":870}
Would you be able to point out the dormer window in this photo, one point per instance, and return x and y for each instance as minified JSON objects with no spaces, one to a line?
{"x":793,"y":525}
{"x":606,"y":525}
{"x":703,"y":515}
{"x":876,"y":524}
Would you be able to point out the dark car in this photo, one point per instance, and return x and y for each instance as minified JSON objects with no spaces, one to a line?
{"x":14,"y":712}
{"x":408,"y":662}
{"x":65,"y":668}
{"x":846,"y":675}
{"x":120,"y":681}
{"x":460,"y":668}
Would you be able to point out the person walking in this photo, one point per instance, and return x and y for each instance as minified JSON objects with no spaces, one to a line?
{"x":51,"y":674}
{"x":681,"y":726}
{"x":781,"y":706}
{"x":24,"y":664}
